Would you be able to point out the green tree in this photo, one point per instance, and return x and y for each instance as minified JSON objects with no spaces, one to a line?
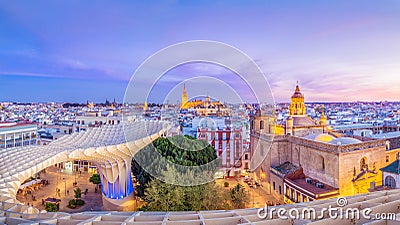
{"x":95,"y":179}
{"x":51,"y":207}
{"x":180,"y":150}
{"x":239,"y":197}
{"x":77,"y":193}
{"x":164,"y":195}
{"x":161,"y":196}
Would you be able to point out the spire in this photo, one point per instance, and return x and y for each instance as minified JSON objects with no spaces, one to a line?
{"x":297,"y":106}
{"x":184,"y":97}
{"x":297,"y":88}
{"x":323,"y":118}
{"x":297,"y":93}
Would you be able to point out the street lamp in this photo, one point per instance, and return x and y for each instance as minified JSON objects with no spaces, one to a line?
{"x":65,"y":186}
{"x":75,"y":175}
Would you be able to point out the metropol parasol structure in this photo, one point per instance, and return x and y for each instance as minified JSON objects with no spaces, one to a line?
{"x":110,"y":147}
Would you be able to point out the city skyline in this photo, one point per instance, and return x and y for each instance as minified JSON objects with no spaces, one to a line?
{"x":339,"y":52}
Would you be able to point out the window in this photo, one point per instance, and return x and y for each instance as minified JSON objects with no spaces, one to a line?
{"x":273,"y":185}
{"x":387,"y":158}
{"x":323,"y":164}
{"x":261,"y":125}
{"x":246,"y":156}
{"x":237,"y":146}
{"x":363,"y":164}
{"x":280,"y":189}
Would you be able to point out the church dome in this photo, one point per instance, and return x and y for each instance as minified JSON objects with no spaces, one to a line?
{"x":321,"y":137}
{"x":345,"y":141}
{"x":297,"y":93}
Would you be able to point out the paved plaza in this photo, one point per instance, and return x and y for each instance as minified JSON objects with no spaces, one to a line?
{"x":258,"y":196}
{"x":62,"y":180}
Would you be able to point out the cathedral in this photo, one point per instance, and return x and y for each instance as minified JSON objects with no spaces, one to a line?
{"x":205,"y":107}
{"x":299,"y":123}
{"x":306,"y":162}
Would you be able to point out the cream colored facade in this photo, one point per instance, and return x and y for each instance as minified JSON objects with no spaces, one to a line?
{"x":306,"y":163}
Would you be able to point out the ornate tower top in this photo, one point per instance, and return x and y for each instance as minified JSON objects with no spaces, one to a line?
{"x":297,"y":106}
{"x":297,"y":93}
{"x":184,"y":97}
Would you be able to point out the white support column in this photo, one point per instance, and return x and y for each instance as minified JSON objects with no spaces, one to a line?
{"x":117,"y":187}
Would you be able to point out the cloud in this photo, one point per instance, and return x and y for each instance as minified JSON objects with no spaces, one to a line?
{"x":27,"y":74}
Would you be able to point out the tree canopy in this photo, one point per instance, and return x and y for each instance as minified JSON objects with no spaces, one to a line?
{"x":178,"y":150}
{"x":95,"y":179}
{"x":161,"y":196}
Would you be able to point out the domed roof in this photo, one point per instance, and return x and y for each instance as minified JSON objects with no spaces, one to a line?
{"x":345,"y":141}
{"x":297,"y":93}
{"x":321,"y":137}
{"x":207,"y":123}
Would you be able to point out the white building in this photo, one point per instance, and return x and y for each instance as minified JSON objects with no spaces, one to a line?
{"x":391,"y":174}
{"x":228,"y":143}
{"x":13,"y":134}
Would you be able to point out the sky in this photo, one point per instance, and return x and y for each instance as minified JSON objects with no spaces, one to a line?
{"x":73,"y":51}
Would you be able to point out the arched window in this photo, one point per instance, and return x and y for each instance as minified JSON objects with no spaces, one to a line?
{"x":390,"y":182}
{"x":261,"y":124}
{"x":363,"y":164}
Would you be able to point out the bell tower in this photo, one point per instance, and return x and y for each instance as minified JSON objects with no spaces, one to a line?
{"x":297,"y":106}
{"x":322,"y":119}
{"x":184,"y":97}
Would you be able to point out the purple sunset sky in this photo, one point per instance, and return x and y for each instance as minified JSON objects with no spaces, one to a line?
{"x":83,"y":50}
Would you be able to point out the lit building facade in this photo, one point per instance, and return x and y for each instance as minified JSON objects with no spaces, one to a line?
{"x":229,"y":145}
{"x":391,"y":174}
{"x":13,"y":134}
{"x":307,"y":163}
{"x":205,"y":107}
